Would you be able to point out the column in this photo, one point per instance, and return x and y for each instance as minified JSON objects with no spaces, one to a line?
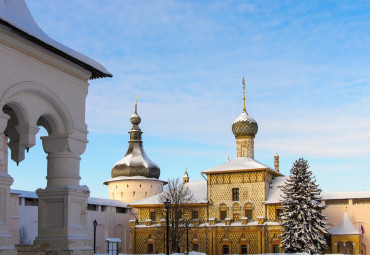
{"x":6,"y":239}
{"x":62,"y":204}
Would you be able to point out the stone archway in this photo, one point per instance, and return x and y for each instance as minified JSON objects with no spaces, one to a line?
{"x":62,"y":203}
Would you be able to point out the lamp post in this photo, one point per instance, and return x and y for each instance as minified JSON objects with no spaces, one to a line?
{"x":167,"y":204}
{"x":187,"y":236}
{"x":95,"y":223}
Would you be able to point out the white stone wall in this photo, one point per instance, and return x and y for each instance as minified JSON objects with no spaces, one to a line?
{"x":129,"y":191}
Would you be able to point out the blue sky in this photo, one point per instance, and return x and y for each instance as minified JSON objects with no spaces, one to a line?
{"x":306,"y":65}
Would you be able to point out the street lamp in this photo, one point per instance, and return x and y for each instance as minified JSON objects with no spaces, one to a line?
{"x":187,"y":236}
{"x":95,"y":223}
{"x":167,"y":204}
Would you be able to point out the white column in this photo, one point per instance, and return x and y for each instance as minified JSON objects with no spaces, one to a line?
{"x":62,"y":204}
{"x":6,"y":239}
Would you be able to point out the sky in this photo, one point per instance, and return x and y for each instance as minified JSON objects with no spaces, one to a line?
{"x":306,"y":66}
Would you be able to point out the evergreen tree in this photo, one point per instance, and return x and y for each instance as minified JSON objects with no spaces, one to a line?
{"x":304,"y":224}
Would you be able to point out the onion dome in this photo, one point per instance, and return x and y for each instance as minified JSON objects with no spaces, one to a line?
{"x":244,"y":125}
{"x":136,"y":162}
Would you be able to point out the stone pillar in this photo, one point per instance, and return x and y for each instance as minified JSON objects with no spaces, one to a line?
{"x":6,"y":239}
{"x":245,"y":146}
{"x":62,"y":204}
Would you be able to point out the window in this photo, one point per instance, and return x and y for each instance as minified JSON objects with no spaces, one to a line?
{"x":278,"y":214}
{"x":91,"y":207}
{"x":150,"y":248}
{"x":194,"y":214}
{"x":248,"y":214}
{"x":275,"y":248}
{"x":195,"y":247}
{"x":243,"y":249}
{"x":152,"y":216}
{"x":103,"y":208}
{"x":337,"y":202}
{"x":225,"y":249}
{"x":120,"y":210}
{"x":30,"y":201}
{"x":223,"y":215}
{"x":180,"y":214}
{"x":235,"y":194}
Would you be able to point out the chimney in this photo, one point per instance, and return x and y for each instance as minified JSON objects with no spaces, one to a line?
{"x":276,"y":162}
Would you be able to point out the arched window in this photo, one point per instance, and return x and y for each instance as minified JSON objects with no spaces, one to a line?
{"x":223,"y":211}
{"x":248,"y":211}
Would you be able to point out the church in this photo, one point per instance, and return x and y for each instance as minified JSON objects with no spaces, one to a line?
{"x":236,"y":210}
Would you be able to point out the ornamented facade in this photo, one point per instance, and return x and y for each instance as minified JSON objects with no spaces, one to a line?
{"x":237,"y":209}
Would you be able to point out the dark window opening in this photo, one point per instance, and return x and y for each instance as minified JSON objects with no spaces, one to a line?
{"x":248,"y":214}
{"x":152,"y":216}
{"x":225,"y":249}
{"x":194,"y":214}
{"x":121,"y":210}
{"x":223,"y":215}
{"x":279,"y":213}
{"x":243,"y":249}
{"x":31,"y":201}
{"x":91,"y":207}
{"x":103,"y":208}
{"x":275,"y":248}
{"x":195,"y":247}
{"x":235,"y":194}
{"x":150,"y":248}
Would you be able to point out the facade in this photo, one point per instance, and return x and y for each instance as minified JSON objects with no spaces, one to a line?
{"x":37,"y":76}
{"x":237,"y":209}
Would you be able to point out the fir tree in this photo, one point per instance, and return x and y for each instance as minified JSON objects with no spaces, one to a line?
{"x":304,"y":224}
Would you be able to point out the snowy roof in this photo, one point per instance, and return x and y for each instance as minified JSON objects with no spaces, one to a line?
{"x":244,"y":117}
{"x":275,"y":192}
{"x":124,"y":178}
{"x":137,"y":157}
{"x":91,"y":200}
{"x":16,"y":15}
{"x":199,"y":190}
{"x":345,"y":227}
{"x":345,"y":195}
{"x":237,"y":164}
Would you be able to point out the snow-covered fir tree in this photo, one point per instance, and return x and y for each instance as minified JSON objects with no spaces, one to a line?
{"x":304,"y":224}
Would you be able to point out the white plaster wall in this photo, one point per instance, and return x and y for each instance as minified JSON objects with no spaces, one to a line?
{"x":14,"y":217}
{"x":129,"y":191}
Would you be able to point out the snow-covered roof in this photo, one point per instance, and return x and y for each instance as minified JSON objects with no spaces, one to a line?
{"x":345,"y":195}
{"x":137,"y":157}
{"x":275,"y":192}
{"x":237,"y":164}
{"x":199,"y":189}
{"x":127,"y":178}
{"x":16,"y":15}
{"x":345,"y":227}
{"x":91,"y":200}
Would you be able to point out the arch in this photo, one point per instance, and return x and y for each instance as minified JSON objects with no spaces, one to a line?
{"x":42,"y":91}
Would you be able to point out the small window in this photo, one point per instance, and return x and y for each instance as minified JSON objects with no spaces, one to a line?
{"x":180,"y":214}
{"x":235,"y":194}
{"x":194,"y":214}
{"x":223,"y":215}
{"x":30,"y":201}
{"x":121,"y":210}
{"x":103,"y":208}
{"x":20,"y":201}
{"x":152,"y":216}
{"x":140,"y":185}
{"x":195,"y":247}
{"x":225,"y":249}
{"x":279,"y":213}
{"x":91,"y":207}
{"x":275,"y":248}
{"x":248,"y":214}
{"x":243,"y":249}
{"x":150,"y":248}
